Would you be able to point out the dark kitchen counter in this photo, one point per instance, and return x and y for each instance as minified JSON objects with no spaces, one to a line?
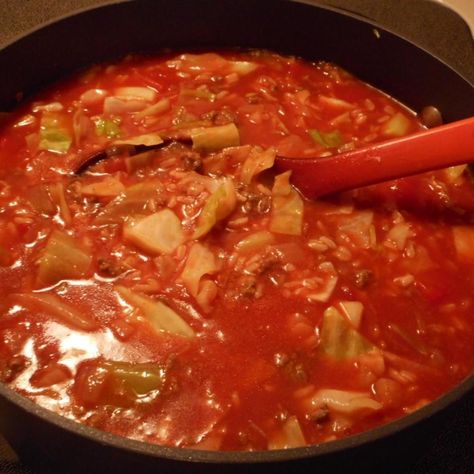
{"x":450,"y":448}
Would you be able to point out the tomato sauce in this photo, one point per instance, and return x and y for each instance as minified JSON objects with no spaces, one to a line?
{"x":179,"y":292}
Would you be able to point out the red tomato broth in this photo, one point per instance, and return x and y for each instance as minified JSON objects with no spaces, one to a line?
{"x":241,"y":371}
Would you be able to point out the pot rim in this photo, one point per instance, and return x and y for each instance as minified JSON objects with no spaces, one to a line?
{"x":237,"y":457}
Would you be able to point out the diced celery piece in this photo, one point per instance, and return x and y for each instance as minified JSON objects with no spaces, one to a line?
{"x":215,"y":138}
{"x":287,"y":207}
{"x":326,"y":139}
{"x":159,"y":316}
{"x":62,"y":259}
{"x":56,"y":307}
{"x":339,"y":339}
{"x":157,"y":233}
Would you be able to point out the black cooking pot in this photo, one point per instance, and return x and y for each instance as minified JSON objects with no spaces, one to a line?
{"x":385,"y":60}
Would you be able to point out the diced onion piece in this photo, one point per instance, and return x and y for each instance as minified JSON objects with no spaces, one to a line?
{"x":255,"y":242}
{"x":155,"y":109}
{"x":215,"y":138}
{"x":108,"y":187}
{"x":157,"y":233}
{"x":290,"y":436}
{"x":160,"y":317}
{"x":62,"y":259}
{"x":287,"y":207}
{"x":256,"y":162}
{"x":141,"y":93}
{"x":353,"y":311}
{"x":218,"y":206}
{"x":464,"y":242}
{"x":93,"y":96}
{"x":397,"y":126}
{"x":339,"y":339}
{"x":149,"y":139}
{"x":344,"y":401}
{"x":201,"y":261}
{"x":54,"y":306}
{"x":134,"y":200}
{"x":242,"y":67}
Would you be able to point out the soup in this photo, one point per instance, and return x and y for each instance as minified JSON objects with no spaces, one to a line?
{"x":182,"y":293}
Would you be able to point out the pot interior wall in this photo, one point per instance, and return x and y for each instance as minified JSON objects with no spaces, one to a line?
{"x":380,"y":58}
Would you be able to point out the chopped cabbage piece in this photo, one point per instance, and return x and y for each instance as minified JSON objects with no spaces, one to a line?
{"x":155,"y":109}
{"x":54,"y":136}
{"x":242,"y":67}
{"x":160,"y":317}
{"x":201,"y":261}
{"x":326,"y":139}
{"x":353,"y":311}
{"x":358,"y":226}
{"x":107,"y":187}
{"x":62,"y":259}
{"x":254,"y":242}
{"x":215,"y":138}
{"x":339,"y":339}
{"x":464,"y":242}
{"x":397,"y":126}
{"x":287,"y":207}
{"x":256,"y":162}
{"x":109,"y":128}
{"x":56,"y":307}
{"x":133,"y":201}
{"x":218,"y":206}
{"x":344,"y":401}
{"x":160,"y":232}
{"x":56,"y":191}
{"x":141,"y":93}
{"x":290,"y":436}
{"x":149,"y":139}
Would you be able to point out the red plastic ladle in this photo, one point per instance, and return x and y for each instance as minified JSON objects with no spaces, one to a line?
{"x":440,"y":147}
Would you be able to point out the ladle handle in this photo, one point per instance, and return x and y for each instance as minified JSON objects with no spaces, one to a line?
{"x":440,"y":147}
